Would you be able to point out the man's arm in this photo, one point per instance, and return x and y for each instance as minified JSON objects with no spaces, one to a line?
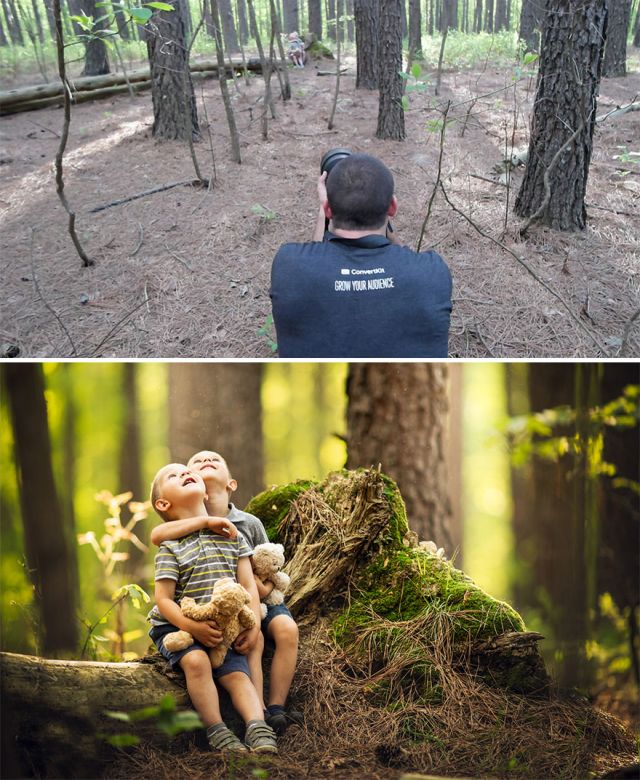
{"x":319,"y":229}
{"x":247,"y":639}
{"x":176,"y":529}
{"x":205,"y":631}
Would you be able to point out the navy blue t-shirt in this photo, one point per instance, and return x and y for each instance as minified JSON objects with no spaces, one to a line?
{"x":360,"y":298}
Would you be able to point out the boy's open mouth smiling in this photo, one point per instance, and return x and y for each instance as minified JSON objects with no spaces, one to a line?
{"x":189,"y":480}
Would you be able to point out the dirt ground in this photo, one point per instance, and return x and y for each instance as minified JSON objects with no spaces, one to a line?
{"x":185,"y":273}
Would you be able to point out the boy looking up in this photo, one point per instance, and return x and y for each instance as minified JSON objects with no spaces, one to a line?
{"x":190,"y":567}
{"x":278,"y":625}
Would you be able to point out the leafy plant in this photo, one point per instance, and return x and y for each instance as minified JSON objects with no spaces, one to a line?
{"x":167,"y":718}
{"x":415,"y":82}
{"x":263,"y":212}
{"x":267,"y":331}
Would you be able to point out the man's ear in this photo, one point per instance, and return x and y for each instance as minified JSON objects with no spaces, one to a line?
{"x":327,"y":209}
{"x":162,"y":504}
{"x":393,"y":207}
{"x":232,"y":485}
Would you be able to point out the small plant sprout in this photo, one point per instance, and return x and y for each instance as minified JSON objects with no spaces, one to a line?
{"x":266,"y":214}
{"x":267,"y":331}
{"x":167,"y":719}
{"x":414,"y":82}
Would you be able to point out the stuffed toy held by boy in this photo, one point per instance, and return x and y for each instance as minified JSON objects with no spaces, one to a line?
{"x":267,"y":562}
{"x":228,"y":607}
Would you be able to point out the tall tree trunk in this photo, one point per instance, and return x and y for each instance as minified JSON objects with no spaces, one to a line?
{"x":615,"y":51}
{"x":501,"y":16}
{"x":174,"y":112}
{"x":51,"y":22}
{"x":619,"y":552}
{"x":636,"y":29}
{"x":564,"y":114}
{"x":49,"y":557}
{"x":477,"y":17}
{"x":13,"y":24}
{"x":69,"y":446}
{"x":351,"y":28}
{"x":390,"y":111}
{"x":3,"y":36}
{"x":531,"y":16}
{"x":415,"y":30}
{"x":130,"y":467}
{"x":96,"y":58}
{"x":562,"y":515}
{"x":397,"y":416}
{"x":37,"y":20}
{"x":366,"y":18}
{"x":243,"y":22}
{"x":216,"y":406}
{"x":331,"y":19}
{"x":228,"y":27}
{"x":488,"y":16}
{"x":314,"y":10}
{"x":290,"y":16}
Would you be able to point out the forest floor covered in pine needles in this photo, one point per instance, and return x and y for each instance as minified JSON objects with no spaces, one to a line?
{"x":185,"y":273}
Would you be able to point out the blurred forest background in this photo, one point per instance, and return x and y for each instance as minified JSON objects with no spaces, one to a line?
{"x":527,"y":474}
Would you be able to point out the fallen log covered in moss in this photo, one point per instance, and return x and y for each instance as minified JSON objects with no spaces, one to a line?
{"x":405,"y":664}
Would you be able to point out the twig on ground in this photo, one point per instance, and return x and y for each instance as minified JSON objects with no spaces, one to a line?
{"x":140,"y":240}
{"x":163,"y":188}
{"x":178,"y":258}
{"x":44,"y":127}
{"x":611,"y":211}
{"x":117,"y":325}
{"x":620,"y":110}
{"x":529,"y":270}
{"x":42,"y":298}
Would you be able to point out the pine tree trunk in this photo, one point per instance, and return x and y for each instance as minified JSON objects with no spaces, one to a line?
{"x":174,"y":113}
{"x":217,"y":407}
{"x":291,"y":16}
{"x":636,"y":30}
{"x":501,"y":16}
{"x":531,"y":16}
{"x":615,"y":52}
{"x":331,"y":20}
{"x":37,"y":20}
{"x":243,"y":23}
{"x":228,"y":27}
{"x":390,"y":111}
{"x":3,"y":37}
{"x":415,"y":29}
{"x":96,"y":58}
{"x":366,"y":18}
{"x":13,"y":24}
{"x":397,"y":416}
{"x":49,"y":557}
{"x":564,"y":115}
{"x":314,"y":11}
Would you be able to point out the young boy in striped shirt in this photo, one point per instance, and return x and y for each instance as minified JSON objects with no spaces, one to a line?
{"x":278,"y":625}
{"x":190,"y":566}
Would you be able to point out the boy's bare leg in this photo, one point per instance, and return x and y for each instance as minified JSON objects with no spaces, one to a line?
{"x":284,"y":632}
{"x":243,"y":695}
{"x":201,"y":687}
{"x":254,"y":659}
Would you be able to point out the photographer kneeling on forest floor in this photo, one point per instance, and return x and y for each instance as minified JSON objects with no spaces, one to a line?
{"x":355,"y":291}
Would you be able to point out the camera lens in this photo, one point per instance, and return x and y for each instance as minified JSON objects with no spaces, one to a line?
{"x":331,"y":158}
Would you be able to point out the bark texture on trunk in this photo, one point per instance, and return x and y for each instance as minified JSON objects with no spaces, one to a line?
{"x":48,"y":555}
{"x":390,"y":111}
{"x":366,"y":18}
{"x":314,"y":11}
{"x":564,"y":115}
{"x":217,"y":407}
{"x":615,"y":52}
{"x":397,"y":416}
{"x":531,"y":15}
{"x":174,"y":106}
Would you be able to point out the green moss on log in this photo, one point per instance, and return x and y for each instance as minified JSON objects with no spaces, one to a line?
{"x":272,"y":505}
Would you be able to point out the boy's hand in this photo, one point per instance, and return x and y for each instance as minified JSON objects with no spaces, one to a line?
{"x":206,"y":632}
{"x":222,"y":526}
{"x":246,"y":641}
{"x":264,"y":588}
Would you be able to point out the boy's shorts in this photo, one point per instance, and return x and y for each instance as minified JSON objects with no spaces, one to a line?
{"x":273,"y":610}
{"x":233,"y":662}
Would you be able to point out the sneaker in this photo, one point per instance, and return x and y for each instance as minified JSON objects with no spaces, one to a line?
{"x":260,"y":737}
{"x":281,"y":719}
{"x":223,"y":740}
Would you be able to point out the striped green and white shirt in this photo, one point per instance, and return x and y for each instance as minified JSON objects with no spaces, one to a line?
{"x":195,"y":562}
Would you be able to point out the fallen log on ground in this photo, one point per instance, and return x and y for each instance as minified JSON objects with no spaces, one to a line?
{"x":96,"y":87}
{"x":405,"y":665}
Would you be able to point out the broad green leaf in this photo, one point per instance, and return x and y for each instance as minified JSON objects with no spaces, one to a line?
{"x":160,"y":6}
{"x":416,"y":70}
{"x":118,"y":715}
{"x":141,"y":15}
{"x":405,"y":102}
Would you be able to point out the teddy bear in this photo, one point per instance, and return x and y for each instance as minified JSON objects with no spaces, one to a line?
{"x":228,"y":607}
{"x":268,"y":560}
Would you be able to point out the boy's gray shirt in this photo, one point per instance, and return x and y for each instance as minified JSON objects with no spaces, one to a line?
{"x":248,"y":525}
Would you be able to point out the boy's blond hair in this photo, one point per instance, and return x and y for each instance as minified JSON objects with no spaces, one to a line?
{"x":155,"y":495}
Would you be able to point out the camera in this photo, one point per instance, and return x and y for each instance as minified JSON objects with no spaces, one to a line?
{"x":331,"y":158}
